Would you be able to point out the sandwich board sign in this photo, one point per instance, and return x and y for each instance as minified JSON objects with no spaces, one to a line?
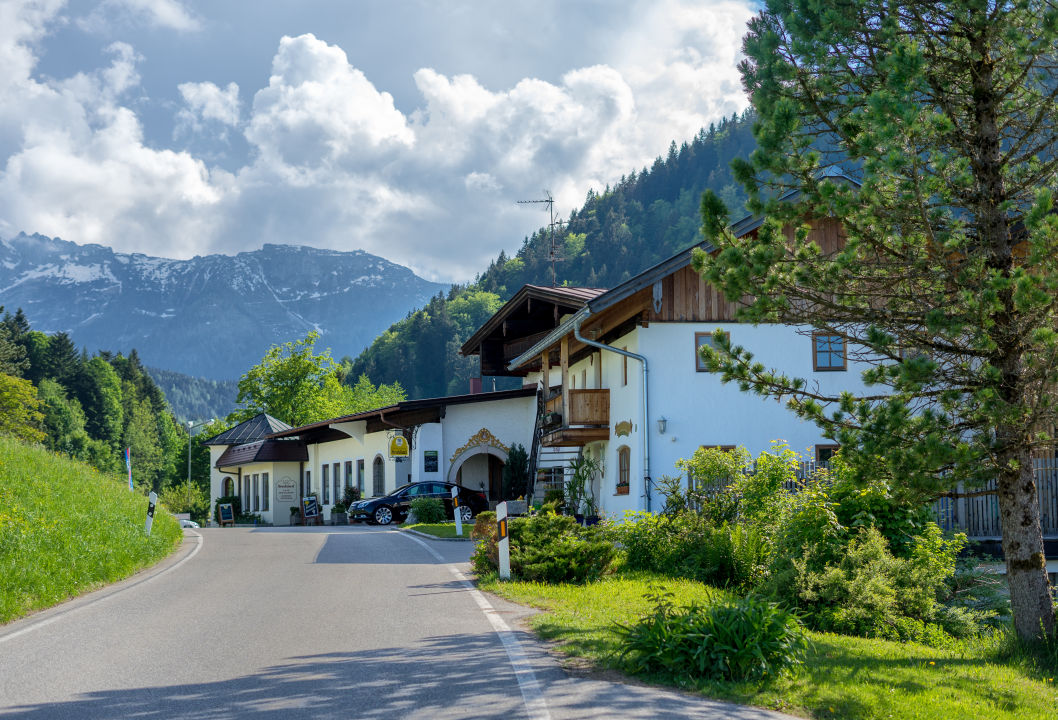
{"x":310,"y":507}
{"x":227,"y":515}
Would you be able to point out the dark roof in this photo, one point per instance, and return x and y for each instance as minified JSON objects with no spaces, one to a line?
{"x":570,"y":298}
{"x":646,"y":278}
{"x":393,"y":412}
{"x":683,"y":258}
{"x":256,"y":428}
{"x":264,"y":451}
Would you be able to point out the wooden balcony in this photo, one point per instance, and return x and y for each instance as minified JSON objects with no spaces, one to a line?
{"x":588,"y":421}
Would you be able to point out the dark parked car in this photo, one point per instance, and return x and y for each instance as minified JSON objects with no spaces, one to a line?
{"x":395,"y":506}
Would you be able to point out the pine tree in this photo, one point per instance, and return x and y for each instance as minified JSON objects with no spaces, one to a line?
{"x":947,"y":284}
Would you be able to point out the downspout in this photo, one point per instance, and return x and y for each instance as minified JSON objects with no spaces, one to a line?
{"x":646,"y":425}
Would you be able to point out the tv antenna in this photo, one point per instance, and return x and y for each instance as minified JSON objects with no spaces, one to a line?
{"x":552,"y":254}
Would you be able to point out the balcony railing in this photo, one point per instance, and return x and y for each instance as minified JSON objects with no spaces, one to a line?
{"x":589,"y":418}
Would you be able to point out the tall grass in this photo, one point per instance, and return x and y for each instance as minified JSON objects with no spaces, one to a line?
{"x":65,"y":529}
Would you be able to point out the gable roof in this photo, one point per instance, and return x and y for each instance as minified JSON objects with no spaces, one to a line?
{"x":264,"y":451}
{"x":569,"y":298}
{"x":256,"y":428}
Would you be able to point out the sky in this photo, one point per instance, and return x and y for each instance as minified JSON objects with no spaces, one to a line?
{"x":406,"y":128}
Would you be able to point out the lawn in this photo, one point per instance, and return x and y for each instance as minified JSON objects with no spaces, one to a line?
{"x":441,"y":530}
{"x":66,"y":528}
{"x":843,"y":677}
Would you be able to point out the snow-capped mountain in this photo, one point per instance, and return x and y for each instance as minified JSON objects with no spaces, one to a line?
{"x":211,"y":316}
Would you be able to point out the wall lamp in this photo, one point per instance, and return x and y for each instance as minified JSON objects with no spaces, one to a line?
{"x":662,"y":423}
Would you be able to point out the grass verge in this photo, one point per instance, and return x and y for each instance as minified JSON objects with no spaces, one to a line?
{"x":441,"y":530}
{"x":66,"y":529}
{"x":843,"y":677}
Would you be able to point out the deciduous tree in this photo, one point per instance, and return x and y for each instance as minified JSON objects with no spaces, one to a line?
{"x":947,"y":284}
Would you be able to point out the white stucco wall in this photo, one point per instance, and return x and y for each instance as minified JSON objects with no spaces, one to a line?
{"x":699,"y":409}
{"x":509,"y":421}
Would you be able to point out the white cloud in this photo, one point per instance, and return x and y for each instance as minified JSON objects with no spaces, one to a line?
{"x":209,"y":110}
{"x":170,"y":14}
{"x":333,"y":162}
{"x":319,"y":110}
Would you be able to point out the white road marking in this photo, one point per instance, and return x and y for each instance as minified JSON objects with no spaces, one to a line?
{"x":532,"y":695}
{"x":60,"y":615}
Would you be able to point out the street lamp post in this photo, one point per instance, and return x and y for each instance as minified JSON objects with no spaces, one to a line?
{"x":191,"y":425}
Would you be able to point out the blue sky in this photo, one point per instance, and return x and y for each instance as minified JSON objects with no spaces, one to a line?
{"x":408,"y":129}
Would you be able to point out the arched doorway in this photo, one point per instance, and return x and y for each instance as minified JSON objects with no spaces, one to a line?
{"x":480,"y":469}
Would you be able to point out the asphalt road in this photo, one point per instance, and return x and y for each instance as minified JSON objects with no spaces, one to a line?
{"x":305,"y":623}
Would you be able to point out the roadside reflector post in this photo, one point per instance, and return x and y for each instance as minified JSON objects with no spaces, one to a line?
{"x":152,"y":501}
{"x":503,"y":542}
{"x":455,"y":510}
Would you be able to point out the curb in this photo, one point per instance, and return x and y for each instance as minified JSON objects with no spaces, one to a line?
{"x":433,"y":537}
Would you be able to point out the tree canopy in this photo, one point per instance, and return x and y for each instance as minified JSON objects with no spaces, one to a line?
{"x":944,"y":115}
{"x":294,"y":384}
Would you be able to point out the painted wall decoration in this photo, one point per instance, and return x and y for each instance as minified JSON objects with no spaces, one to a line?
{"x":623,"y":428}
{"x":481,"y":437}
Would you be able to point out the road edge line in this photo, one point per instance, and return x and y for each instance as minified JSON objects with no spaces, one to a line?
{"x":532,"y":695}
{"x":59,"y":615}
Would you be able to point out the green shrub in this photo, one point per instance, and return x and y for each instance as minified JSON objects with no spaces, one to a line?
{"x":869,"y":591}
{"x":741,"y":639}
{"x":351,"y":495}
{"x":545,"y":548}
{"x":516,"y":473}
{"x":428,"y":510}
{"x":556,"y":497}
{"x":689,"y":545}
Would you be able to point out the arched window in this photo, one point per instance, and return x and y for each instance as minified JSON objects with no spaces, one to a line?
{"x":227,"y":487}
{"x":379,"y":473}
{"x":624,"y":464}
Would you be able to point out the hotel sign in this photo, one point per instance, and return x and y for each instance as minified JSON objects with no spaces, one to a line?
{"x":398,"y":447}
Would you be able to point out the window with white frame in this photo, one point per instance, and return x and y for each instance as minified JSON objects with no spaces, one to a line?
{"x":324,"y":472}
{"x":264,"y":492}
{"x":704,"y":339}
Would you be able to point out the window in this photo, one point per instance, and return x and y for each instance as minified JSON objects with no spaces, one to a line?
{"x":348,"y":473}
{"x":828,"y":352}
{"x":336,"y":481}
{"x":308,"y":483}
{"x":624,"y":464}
{"x":228,"y":487}
{"x":724,"y":448}
{"x":256,"y":492}
{"x":378,"y":472}
{"x":552,"y":478}
{"x":825,"y":452}
{"x":584,"y":378}
{"x":324,"y":471}
{"x":707,"y":339}
{"x":360,"y":475}
{"x":624,"y":368}
{"x":264,"y":491}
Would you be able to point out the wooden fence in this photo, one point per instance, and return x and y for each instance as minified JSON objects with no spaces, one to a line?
{"x":978,"y":515}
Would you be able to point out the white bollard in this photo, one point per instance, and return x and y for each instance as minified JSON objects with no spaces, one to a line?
{"x":455,"y":510}
{"x":152,"y":500}
{"x":503,"y":542}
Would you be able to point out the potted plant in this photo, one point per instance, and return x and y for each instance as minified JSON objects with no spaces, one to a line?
{"x":579,"y":493}
{"x":295,"y":515}
{"x":338,"y":514}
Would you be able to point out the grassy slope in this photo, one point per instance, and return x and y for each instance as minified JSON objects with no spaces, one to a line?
{"x":66,"y":529}
{"x":844,"y":677}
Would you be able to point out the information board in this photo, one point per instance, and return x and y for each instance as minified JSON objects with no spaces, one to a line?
{"x":227,"y":514}
{"x":310,"y":507}
{"x":286,"y":490}
{"x":429,"y":461}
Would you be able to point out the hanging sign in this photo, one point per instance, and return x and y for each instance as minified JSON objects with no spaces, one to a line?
{"x":399,"y":447}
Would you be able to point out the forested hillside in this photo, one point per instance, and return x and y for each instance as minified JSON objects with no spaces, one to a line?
{"x":646,"y":217}
{"x":90,"y":408}
{"x":196,"y":398}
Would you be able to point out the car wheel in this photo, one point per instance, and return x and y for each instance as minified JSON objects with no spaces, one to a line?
{"x":384,"y":516}
{"x":466,"y":513}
